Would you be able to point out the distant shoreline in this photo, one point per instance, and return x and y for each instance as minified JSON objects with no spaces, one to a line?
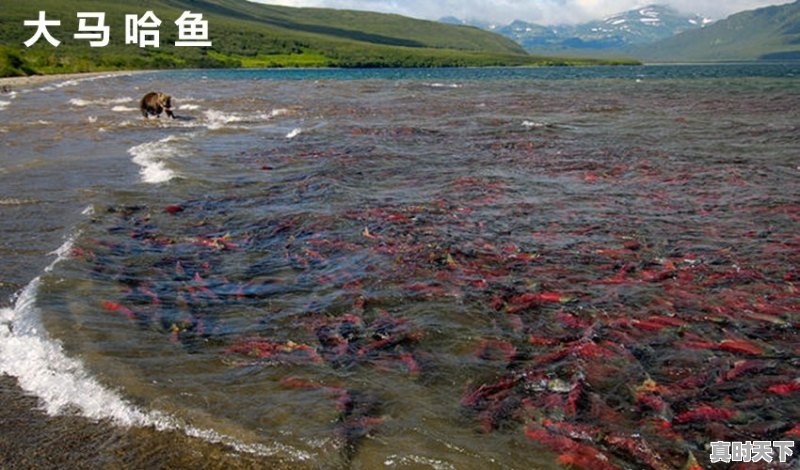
{"x":29,"y":80}
{"x":33,"y":80}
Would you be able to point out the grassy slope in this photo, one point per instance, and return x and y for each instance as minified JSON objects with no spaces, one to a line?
{"x":771,"y":32}
{"x":366,"y":26}
{"x":250,"y":35}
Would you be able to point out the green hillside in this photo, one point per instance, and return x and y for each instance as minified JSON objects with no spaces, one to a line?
{"x":363,"y":26}
{"x":246,"y":34}
{"x":771,"y":33}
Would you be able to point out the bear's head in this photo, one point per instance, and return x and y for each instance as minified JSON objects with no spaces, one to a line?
{"x":165,"y":101}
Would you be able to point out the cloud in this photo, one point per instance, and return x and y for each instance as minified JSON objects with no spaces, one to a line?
{"x":538,"y":11}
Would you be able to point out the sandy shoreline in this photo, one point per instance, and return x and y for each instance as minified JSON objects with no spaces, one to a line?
{"x":14,"y":82}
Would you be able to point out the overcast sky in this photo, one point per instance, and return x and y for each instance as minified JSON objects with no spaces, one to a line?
{"x":536,"y":11}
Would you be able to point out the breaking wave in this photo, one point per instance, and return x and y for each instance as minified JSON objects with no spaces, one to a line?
{"x":152,"y":157}
{"x":220,"y":119}
{"x":123,"y":109}
{"x":63,"y":385}
{"x":43,"y":369}
{"x":81,"y":103}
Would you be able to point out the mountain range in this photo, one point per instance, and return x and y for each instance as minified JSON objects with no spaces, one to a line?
{"x":771,"y":33}
{"x":660,"y":33}
{"x":640,"y":26}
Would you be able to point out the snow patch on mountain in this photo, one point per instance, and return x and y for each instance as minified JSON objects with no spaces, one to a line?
{"x":635,"y":27}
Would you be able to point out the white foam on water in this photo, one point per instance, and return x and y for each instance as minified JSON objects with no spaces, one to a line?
{"x":67,"y":83}
{"x":189,"y":107}
{"x":218,"y":119}
{"x":151,"y":157}
{"x":278,"y":112}
{"x":445,"y":85}
{"x":78,"y":81}
{"x":43,"y":369}
{"x":268,"y":116}
{"x":124,"y":99}
{"x":4,"y":104}
{"x":92,"y":119}
{"x":417,"y":461}
{"x":537,"y":124}
{"x":63,"y":385}
{"x":80,"y":102}
{"x":294,"y":133}
{"x":13,"y":201}
{"x":178,"y":138}
{"x":257,"y":449}
{"x":123,"y":109}
{"x":186,"y":124}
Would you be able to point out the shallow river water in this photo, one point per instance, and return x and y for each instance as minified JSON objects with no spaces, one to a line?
{"x":477,"y":268}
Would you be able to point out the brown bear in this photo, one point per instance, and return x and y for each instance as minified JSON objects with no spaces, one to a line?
{"x":154,"y":103}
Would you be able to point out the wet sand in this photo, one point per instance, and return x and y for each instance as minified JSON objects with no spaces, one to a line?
{"x":93,"y":445}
